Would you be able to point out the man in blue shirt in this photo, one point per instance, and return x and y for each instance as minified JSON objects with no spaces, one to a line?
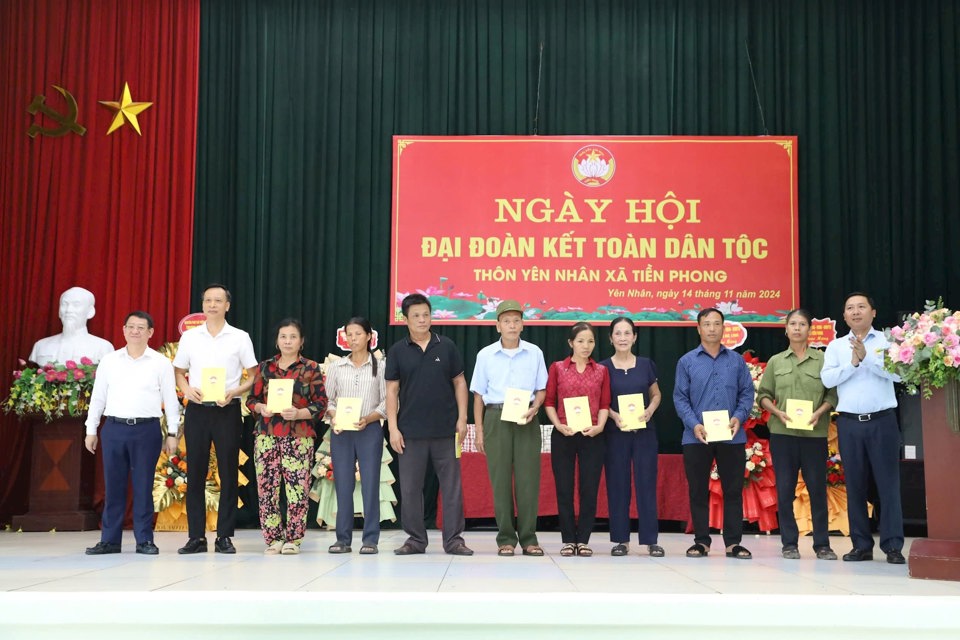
{"x":867,"y":428}
{"x":714,"y":378}
{"x":512,"y":448}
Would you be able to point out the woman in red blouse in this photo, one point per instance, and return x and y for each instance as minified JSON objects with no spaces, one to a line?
{"x":577,"y":376}
{"x":284,"y":443}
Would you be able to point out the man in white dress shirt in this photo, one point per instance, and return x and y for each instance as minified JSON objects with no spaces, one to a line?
{"x":133,"y":387}
{"x":213,"y":344}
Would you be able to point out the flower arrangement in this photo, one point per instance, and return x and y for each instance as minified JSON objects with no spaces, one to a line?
{"x":169,"y":481}
{"x":53,"y":390}
{"x":757,"y":415}
{"x":835,"y":475}
{"x":324,"y":467}
{"x":925,"y":350}
{"x":756,"y":462}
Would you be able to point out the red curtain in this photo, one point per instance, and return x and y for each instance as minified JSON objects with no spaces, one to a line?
{"x":111,"y":213}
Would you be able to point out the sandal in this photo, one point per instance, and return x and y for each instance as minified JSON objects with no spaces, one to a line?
{"x":739,"y":552}
{"x":505,"y":551}
{"x":619,"y":550}
{"x":584,"y":550}
{"x":532,"y":550}
{"x":369,"y":550}
{"x":656,"y":550}
{"x":698,"y":551}
{"x":568,"y":550}
{"x":339,"y":547}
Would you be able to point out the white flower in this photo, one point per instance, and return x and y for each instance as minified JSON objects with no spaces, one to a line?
{"x":729,"y":308}
{"x":750,"y":466}
{"x":594,"y":167}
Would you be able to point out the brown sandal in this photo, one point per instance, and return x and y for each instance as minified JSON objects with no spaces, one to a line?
{"x":532,"y":550}
{"x":505,"y":551}
{"x":568,"y":550}
{"x":584,"y":550}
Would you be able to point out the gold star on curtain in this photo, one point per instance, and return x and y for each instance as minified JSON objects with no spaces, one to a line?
{"x":127,"y":110}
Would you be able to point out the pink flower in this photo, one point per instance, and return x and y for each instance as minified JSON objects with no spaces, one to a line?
{"x":906,"y":354}
{"x":897,"y":333}
{"x":894,"y":353}
{"x":431,"y":291}
{"x":17,"y":374}
{"x":51,"y":376}
{"x":443,"y":314}
{"x":85,"y":360}
{"x":61,"y":376}
{"x":22,"y":362}
{"x":78,"y":374}
{"x":70,"y":364}
{"x":948,"y":360}
{"x":930,"y":339}
{"x":954,"y":353}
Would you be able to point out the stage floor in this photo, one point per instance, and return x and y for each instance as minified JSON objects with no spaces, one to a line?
{"x":49,"y":588}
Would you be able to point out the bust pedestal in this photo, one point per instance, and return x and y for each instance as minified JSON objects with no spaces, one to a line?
{"x":61,"y":479}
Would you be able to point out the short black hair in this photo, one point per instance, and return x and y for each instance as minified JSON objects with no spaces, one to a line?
{"x":215,"y":285}
{"x":143,"y":315}
{"x":412,"y":300}
{"x":705,"y":312}
{"x":853,"y":294}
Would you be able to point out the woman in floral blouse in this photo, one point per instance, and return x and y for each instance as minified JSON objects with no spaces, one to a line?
{"x":284,"y":441}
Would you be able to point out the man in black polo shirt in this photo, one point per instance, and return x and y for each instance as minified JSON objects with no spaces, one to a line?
{"x":426,"y":408}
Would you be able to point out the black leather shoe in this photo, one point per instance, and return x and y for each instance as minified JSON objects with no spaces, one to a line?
{"x":858,"y":555}
{"x":148,"y":548}
{"x":194,"y":545}
{"x":461,"y":550}
{"x":407,"y":549}
{"x":103,"y":548}
{"x":895,"y":557}
{"x":224,"y":545}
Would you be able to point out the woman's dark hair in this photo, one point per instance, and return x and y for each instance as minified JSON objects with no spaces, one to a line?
{"x":364,"y":324}
{"x":799,"y":311}
{"x":290,"y":322}
{"x":577,"y":328}
{"x":618,"y":320}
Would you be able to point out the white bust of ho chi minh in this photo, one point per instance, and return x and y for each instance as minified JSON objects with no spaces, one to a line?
{"x":76,"y":307}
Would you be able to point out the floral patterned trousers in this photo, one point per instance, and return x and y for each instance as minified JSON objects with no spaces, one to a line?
{"x":287,"y":458}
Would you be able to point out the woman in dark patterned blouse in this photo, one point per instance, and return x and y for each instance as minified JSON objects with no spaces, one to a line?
{"x":574,"y":377}
{"x":284,"y":441}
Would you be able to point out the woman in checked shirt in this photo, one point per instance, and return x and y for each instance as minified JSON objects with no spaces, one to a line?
{"x":357,"y":441}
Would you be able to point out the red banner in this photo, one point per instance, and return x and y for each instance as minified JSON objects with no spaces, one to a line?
{"x":579,"y":228}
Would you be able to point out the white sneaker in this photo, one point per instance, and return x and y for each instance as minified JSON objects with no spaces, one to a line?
{"x":291,"y":548}
{"x":274,"y":548}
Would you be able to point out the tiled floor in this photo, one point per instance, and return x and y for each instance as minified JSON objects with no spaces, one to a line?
{"x":39,"y":568}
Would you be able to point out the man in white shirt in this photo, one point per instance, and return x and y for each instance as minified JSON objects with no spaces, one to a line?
{"x":133,"y":388}
{"x":213,"y":344}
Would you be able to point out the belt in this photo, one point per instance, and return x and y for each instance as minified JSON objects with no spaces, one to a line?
{"x":866,"y":417}
{"x":495,"y":405}
{"x":214,"y":404}
{"x":131,"y":421}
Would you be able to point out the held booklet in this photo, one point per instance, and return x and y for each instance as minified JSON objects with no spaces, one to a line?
{"x":279,"y":394}
{"x":213,"y":384}
{"x":348,"y":414}
{"x":578,"y":413}
{"x":800,"y":412}
{"x":516,"y":403}
{"x":717,"y":424}
{"x":631,"y":412}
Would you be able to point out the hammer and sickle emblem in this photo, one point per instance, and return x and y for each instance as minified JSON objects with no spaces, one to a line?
{"x":68,"y":121}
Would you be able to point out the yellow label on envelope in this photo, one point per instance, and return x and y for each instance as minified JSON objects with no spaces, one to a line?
{"x":717,"y":424}
{"x":516,"y":403}
{"x":348,"y":414}
{"x":456,"y":444}
{"x":279,"y":394}
{"x":213,"y":384}
{"x":578,"y":412}
{"x":631,"y":412}
{"x":800,"y":412}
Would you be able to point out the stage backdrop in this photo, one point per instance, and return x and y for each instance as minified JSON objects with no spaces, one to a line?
{"x":109,"y":212}
{"x":590,"y":228}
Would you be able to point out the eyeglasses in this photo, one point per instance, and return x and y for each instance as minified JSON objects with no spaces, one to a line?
{"x":130,"y":328}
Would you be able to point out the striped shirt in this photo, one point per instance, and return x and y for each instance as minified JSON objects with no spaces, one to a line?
{"x":704,"y":383}
{"x":347,"y":381}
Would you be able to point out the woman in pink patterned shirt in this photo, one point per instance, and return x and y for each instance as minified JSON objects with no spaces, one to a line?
{"x":577,"y":376}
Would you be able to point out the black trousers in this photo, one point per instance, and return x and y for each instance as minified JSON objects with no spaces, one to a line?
{"x":697,"y":462}
{"x":793,"y":454}
{"x":221,"y":426}
{"x":566,"y":452}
